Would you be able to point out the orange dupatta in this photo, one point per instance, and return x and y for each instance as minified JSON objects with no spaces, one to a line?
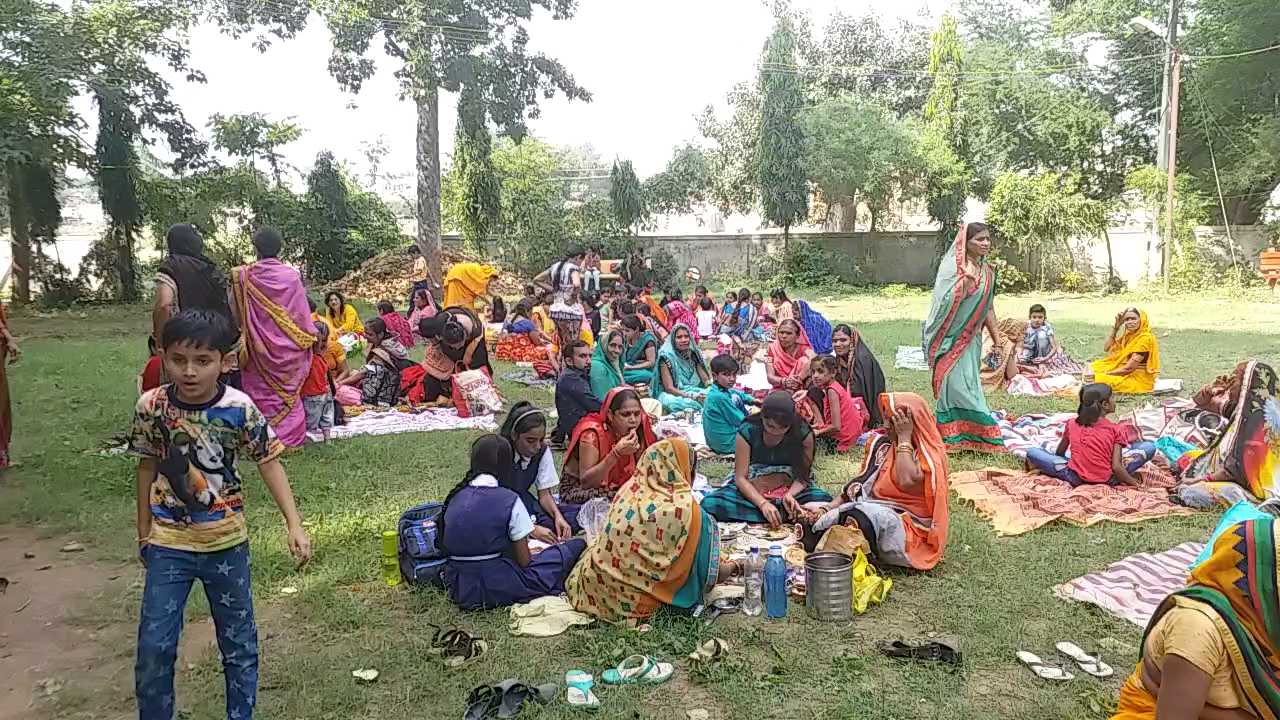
{"x":924,"y":517}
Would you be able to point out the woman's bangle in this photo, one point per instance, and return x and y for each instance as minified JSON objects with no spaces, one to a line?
{"x":906,"y":447}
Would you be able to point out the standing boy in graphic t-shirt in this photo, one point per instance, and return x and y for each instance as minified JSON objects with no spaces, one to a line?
{"x":190,"y":513}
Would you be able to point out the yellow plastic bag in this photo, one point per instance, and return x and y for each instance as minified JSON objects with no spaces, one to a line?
{"x":868,"y":586}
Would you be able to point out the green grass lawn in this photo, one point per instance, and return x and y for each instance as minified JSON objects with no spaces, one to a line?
{"x":75,"y":389}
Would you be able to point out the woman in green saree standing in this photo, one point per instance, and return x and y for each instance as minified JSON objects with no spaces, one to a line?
{"x":963,"y":304}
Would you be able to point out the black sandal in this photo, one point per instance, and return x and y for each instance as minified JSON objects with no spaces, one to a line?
{"x":924,"y":652}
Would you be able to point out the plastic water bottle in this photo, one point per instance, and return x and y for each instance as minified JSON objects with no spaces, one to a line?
{"x":752,"y":581}
{"x":775,"y":583}
{"x":390,"y":561}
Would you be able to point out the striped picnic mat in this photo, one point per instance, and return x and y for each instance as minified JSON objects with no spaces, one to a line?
{"x":1132,"y":588}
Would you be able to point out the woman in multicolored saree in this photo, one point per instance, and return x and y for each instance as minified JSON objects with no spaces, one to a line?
{"x":1247,"y":454}
{"x":1212,"y":649}
{"x":963,"y":304}
{"x":270,"y":303}
{"x":658,"y":548}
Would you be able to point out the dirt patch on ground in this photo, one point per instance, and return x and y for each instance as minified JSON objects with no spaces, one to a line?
{"x":67,"y":636}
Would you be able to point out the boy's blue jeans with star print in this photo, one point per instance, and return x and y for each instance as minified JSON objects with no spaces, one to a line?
{"x":225,"y":576}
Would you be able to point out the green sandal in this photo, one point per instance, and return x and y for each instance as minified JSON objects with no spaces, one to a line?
{"x":639,"y":669}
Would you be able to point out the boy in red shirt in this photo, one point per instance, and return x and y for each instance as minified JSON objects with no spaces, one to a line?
{"x":317,"y":400}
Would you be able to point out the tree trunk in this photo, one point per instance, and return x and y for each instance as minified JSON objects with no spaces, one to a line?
{"x":429,"y":185}
{"x":126,"y":264}
{"x":20,"y":237}
{"x":1111,"y":267}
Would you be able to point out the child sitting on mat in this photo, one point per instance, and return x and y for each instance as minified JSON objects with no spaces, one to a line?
{"x":725,"y":407}
{"x":1093,"y":449}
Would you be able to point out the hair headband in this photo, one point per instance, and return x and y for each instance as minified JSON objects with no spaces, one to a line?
{"x":521,"y":416}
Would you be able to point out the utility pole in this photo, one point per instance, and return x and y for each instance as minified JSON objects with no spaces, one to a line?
{"x":1170,"y":42}
{"x":1171,"y":142}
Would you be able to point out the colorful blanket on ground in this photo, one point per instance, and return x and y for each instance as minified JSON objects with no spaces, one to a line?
{"x":394,"y":422}
{"x":1032,"y":430}
{"x":1131,"y":588}
{"x":910,"y":358}
{"x":1017,"y":503}
{"x":1063,"y":385}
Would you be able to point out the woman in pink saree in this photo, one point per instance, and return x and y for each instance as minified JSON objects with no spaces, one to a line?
{"x":270,"y":304}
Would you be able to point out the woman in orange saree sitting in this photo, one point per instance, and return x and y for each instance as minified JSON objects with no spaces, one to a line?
{"x":786,"y":361}
{"x":899,"y":498}
{"x":604,"y":447}
{"x":1212,"y":650}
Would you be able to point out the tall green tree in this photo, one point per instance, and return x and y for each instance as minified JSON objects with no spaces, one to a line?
{"x":944,"y":145}
{"x":626,"y":195}
{"x":252,"y":136}
{"x":473,"y":161}
{"x":780,"y":172}
{"x":447,"y":45}
{"x":118,"y":189}
{"x":1039,"y":216}
{"x":731,"y":158}
{"x":683,"y":184}
{"x":858,"y":152}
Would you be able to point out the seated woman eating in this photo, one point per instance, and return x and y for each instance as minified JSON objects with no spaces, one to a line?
{"x":1244,"y":461}
{"x":659,"y":546}
{"x":534,"y":473}
{"x":786,"y":362}
{"x":858,"y":370}
{"x":455,"y":342}
{"x":489,"y":564}
{"x":640,"y":354}
{"x":379,"y":378}
{"x":1133,"y":356}
{"x":838,"y":419}
{"x":682,"y":377}
{"x":772,"y":475}
{"x":899,"y":498}
{"x":1210,"y":650}
{"x":603,"y":449}
{"x":523,"y":341}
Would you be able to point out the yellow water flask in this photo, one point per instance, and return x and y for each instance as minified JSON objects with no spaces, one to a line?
{"x":390,"y":563}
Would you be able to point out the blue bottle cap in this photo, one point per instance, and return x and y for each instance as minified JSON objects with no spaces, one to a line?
{"x":775,"y":550}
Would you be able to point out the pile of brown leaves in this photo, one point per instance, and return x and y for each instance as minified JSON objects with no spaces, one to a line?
{"x":386,"y":277}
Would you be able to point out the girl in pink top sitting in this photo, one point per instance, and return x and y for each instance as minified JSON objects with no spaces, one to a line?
{"x":1093,"y":450}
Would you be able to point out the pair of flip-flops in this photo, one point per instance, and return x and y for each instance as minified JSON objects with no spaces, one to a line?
{"x":457,"y":647}
{"x":1090,"y":663}
{"x":931,"y":651}
{"x":505,"y":699}
{"x":635,"y":670}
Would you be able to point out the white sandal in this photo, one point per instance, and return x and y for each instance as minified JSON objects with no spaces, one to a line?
{"x":1091,"y":664}
{"x":1043,"y":670}
{"x":578,"y":690}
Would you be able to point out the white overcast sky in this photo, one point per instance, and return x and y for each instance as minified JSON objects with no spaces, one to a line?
{"x":651,"y":67}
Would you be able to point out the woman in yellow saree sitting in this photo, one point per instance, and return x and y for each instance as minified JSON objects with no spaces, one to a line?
{"x":1133,"y":355}
{"x":658,"y":548}
{"x":1212,"y":649}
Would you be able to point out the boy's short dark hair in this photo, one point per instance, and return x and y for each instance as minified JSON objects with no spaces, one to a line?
{"x":200,"y":328}
{"x":724,"y":364}
{"x":1038,"y":308}
{"x":385,"y":307}
{"x":571,"y":348}
{"x":268,"y":241}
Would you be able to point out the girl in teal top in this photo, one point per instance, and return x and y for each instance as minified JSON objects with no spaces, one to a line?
{"x":681,"y":377}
